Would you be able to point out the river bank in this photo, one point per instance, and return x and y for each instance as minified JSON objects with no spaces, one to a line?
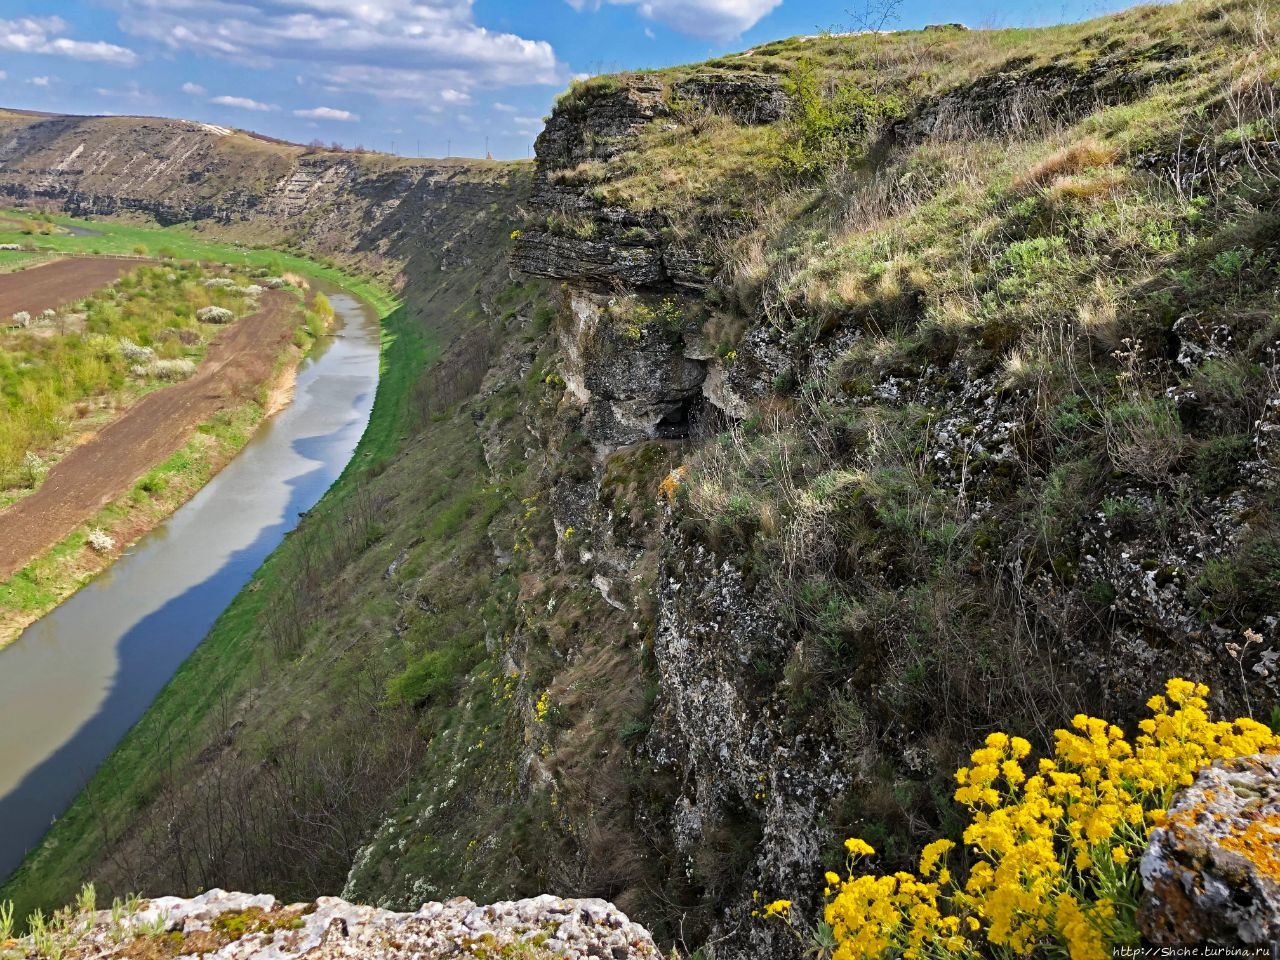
{"x":135,"y":472}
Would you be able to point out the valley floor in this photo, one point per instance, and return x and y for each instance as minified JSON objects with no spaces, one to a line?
{"x":98,"y":471}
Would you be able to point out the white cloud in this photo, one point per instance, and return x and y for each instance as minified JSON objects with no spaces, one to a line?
{"x":130,"y":91}
{"x":44,"y":35}
{"x":500,"y":107}
{"x":40,"y":81}
{"x":648,"y":32}
{"x":449,"y":95}
{"x":394,"y":49}
{"x":3,"y":75}
{"x":327,"y":113}
{"x":528,"y":126}
{"x":242,"y":103}
{"x":720,"y":20}
{"x":194,"y":89}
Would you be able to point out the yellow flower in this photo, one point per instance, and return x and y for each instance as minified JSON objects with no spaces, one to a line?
{"x":1042,"y":846}
{"x":859,"y":848}
{"x":932,"y":853}
{"x":779,"y":908}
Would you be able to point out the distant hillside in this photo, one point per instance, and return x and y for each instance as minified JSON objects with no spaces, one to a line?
{"x":260,"y":189}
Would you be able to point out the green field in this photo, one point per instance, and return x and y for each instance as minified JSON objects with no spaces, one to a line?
{"x":120,"y":239}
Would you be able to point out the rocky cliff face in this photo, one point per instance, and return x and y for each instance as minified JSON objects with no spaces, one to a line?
{"x":813,"y":655}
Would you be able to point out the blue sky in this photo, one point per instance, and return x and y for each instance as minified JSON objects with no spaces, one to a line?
{"x":417,"y":77}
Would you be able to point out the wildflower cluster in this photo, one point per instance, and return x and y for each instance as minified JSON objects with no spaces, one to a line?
{"x":542,"y":708}
{"x":1055,"y":847}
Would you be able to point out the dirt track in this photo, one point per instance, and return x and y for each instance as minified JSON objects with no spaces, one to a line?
{"x":240,"y":360}
{"x":56,"y":284}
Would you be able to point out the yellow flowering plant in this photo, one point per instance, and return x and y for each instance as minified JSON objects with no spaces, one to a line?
{"x":1054,"y":846}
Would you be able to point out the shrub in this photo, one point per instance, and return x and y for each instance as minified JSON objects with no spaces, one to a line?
{"x":100,"y":541}
{"x":1144,"y":438}
{"x":35,"y":469}
{"x":1056,"y":852}
{"x":214,"y":315}
{"x":831,"y":123}
{"x":179,"y":369}
{"x":134,"y":353}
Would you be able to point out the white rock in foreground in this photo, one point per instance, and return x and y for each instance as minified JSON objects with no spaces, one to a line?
{"x":237,"y":926}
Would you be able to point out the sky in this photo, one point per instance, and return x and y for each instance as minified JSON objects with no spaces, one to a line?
{"x":414,"y":77}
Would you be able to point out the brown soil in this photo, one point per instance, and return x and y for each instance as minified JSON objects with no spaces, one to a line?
{"x":239,"y":361}
{"x":56,"y":284}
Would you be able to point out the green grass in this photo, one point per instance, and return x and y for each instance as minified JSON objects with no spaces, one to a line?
{"x":57,"y":373}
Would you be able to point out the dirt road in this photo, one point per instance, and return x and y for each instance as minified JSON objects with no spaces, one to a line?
{"x":240,"y":360}
{"x":56,"y":284}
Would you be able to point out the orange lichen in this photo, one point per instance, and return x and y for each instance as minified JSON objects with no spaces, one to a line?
{"x":1258,"y":841}
{"x":672,"y":483}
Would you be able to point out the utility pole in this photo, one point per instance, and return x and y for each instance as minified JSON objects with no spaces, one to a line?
{"x":449,"y":151}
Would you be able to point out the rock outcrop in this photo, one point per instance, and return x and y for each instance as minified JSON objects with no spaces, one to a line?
{"x":1211,"y":873}
{"x":238,"y":926}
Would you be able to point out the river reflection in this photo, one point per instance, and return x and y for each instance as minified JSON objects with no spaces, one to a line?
{"x":74,"y":683}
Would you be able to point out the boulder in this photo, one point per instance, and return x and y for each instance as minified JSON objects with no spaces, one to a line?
{"x":749,"y":98}
{"x":238,"y":926}
{"x":1211,"y":873}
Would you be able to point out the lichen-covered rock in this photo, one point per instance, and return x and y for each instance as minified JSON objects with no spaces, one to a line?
{"x":1211,"y":873}
{"x":746,"y":97}
{"x":718,"y":731}
{"x":238,"y":926}
{"x":588,"y":259}
{"x":635,"y":382}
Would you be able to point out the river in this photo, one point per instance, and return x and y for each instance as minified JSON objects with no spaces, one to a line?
{"x":75,"y":682}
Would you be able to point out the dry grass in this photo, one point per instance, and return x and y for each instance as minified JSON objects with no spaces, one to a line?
{"x":1083,"y":188}
{"x":1068,"y":162}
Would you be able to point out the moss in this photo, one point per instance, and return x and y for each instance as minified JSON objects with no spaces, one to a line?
{"x":1218,"y":460}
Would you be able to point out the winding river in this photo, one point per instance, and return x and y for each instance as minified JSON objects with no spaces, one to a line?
{"x":75,"y":682}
